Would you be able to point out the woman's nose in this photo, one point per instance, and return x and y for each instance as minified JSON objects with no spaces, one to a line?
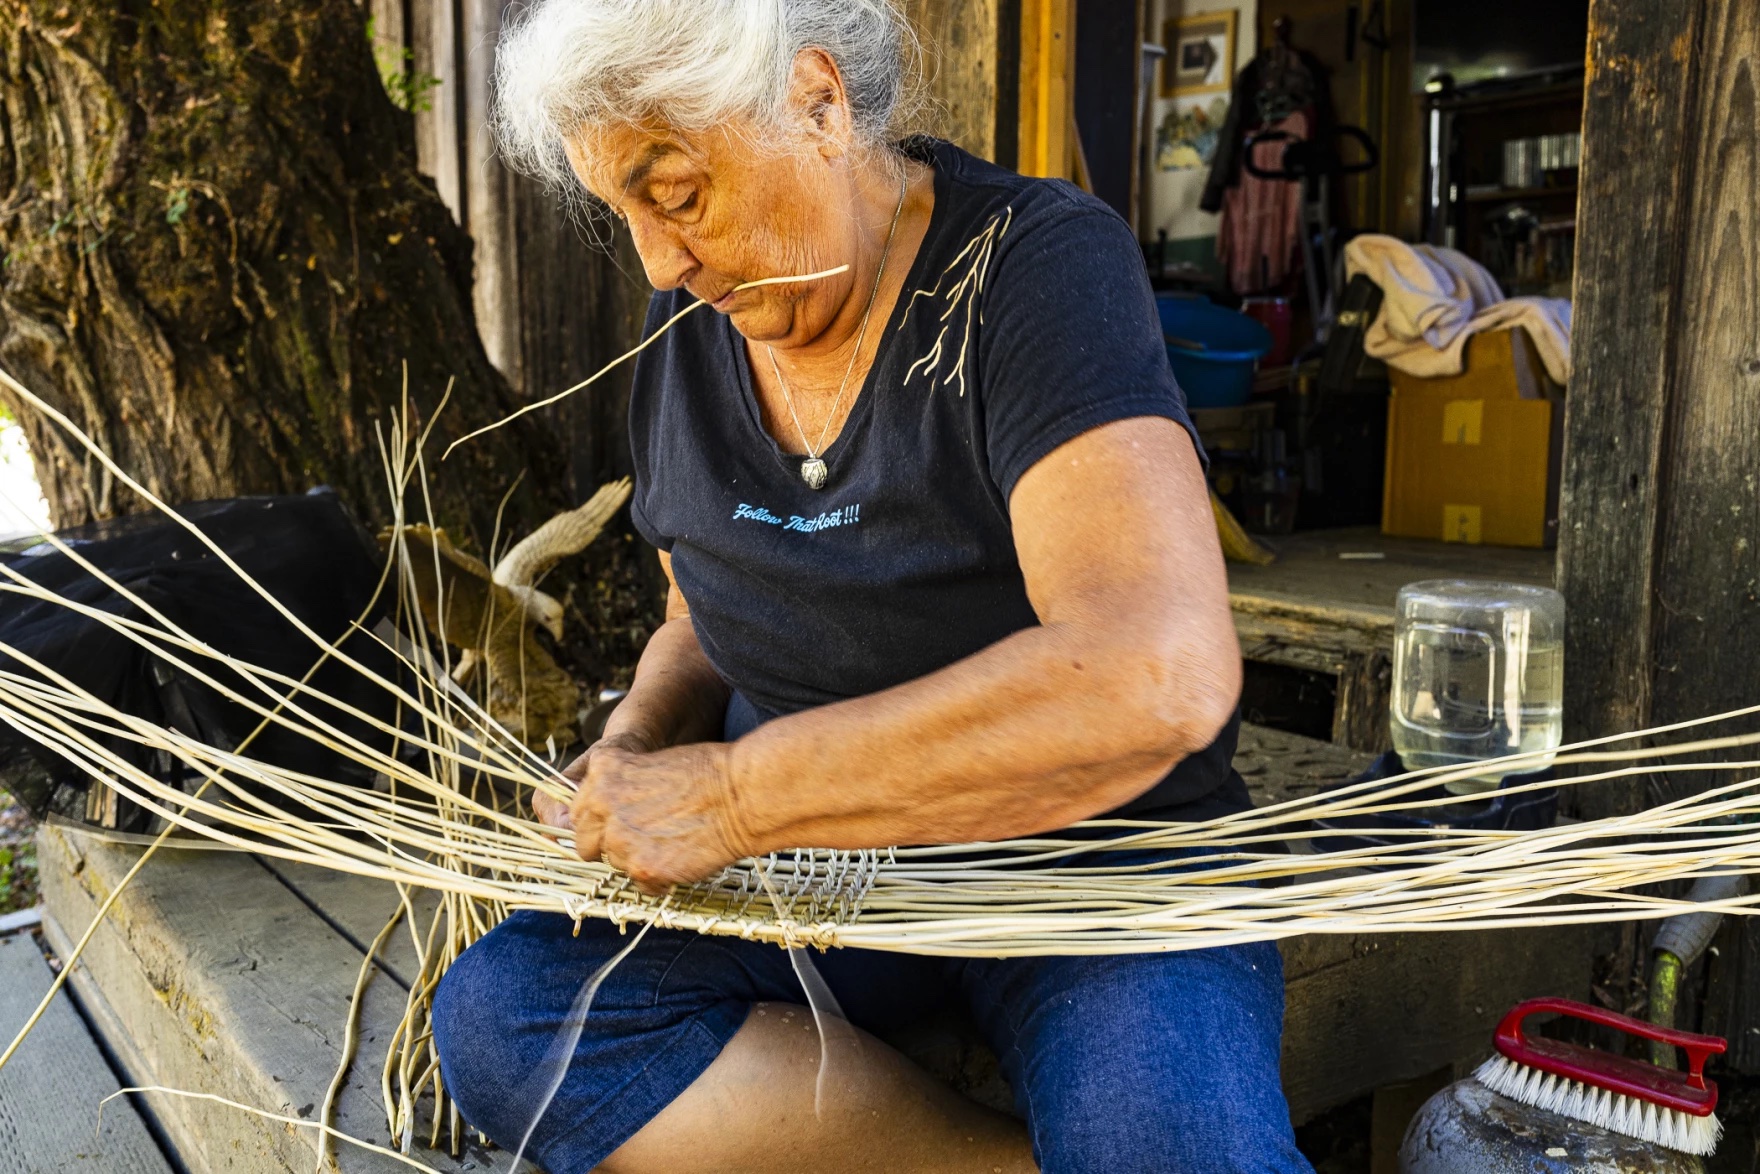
{"x":668,"y":263}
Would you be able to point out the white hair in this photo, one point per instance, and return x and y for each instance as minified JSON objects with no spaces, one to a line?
{"x":567,"y":65}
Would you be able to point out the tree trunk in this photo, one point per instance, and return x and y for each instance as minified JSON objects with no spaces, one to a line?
{"x":219,"y":257}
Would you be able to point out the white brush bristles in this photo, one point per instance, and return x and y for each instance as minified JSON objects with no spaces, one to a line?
{"x":1600,"y":1107}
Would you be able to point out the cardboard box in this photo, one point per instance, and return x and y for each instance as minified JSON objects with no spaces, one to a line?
{"x":1474,"y":457}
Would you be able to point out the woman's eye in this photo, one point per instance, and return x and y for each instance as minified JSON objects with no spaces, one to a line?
{"x":684,"y":205}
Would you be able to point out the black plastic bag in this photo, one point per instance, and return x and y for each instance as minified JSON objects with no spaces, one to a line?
{"x":307,"y":551}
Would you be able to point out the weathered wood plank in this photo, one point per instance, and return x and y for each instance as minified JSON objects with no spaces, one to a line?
{"x":433,"y":40}
{"x":1307,"y":634}
{"x":1707,"y":588}
{"x":1732,"y":993}
{"x":959,"y":43}
{"x":1638,"y":134}
{"x":389,"y":34}
{"x":361,"y":908}
{"x":50,"y":1090}
{"x":488,"y":188}
{"x":1393,"y":1007}
{"x":1659,"y":535}
{"x":1705,"y":628}
{"x":216,"y":978}
{"x":1365,"y":693}
{"x":1309,"y":568}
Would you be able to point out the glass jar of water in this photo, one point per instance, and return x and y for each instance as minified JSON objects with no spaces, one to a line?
{"x":1478,"y":673}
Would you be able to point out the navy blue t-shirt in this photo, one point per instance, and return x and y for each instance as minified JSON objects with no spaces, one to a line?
{"x":1026,"y":320}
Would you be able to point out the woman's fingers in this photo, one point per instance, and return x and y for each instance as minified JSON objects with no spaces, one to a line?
{"x":552,"y":812}
{"x":658,"y":816}
{"x":575,"y":771}
{"x":588,"y":821}
{"x":628,"y":742}
{"x":582,"y":814}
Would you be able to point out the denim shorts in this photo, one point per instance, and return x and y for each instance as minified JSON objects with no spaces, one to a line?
{"x":1128,"y":1064}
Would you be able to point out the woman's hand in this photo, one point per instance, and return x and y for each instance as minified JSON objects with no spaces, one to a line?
{"x":555,"y":812}
{"x":664,"y":817}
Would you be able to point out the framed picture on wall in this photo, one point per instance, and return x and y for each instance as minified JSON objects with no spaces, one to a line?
{"x":1200,"y":54}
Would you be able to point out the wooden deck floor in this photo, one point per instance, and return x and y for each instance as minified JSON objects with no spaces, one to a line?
{"x":50,"y":1091}
{"x":229,"y":974}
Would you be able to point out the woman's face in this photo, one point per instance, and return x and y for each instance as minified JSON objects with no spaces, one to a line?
{"x":710,"y":212}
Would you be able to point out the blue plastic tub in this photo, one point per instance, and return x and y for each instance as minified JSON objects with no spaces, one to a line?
{"x":1213,"y":351}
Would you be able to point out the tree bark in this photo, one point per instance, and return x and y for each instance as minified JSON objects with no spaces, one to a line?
{"x":219,"y":256}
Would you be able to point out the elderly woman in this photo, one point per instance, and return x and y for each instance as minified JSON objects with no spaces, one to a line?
{"x":942,"y":569}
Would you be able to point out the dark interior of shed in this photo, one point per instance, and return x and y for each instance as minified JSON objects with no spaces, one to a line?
{"x":1277,"y":157}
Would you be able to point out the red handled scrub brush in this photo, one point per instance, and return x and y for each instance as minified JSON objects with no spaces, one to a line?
{"x":1641,"y":1100}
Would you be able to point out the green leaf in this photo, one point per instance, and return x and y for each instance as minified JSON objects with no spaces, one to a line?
{"x":407,"y":87}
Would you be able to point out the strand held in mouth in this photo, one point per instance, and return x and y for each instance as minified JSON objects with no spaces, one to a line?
{"x":638,"y":349}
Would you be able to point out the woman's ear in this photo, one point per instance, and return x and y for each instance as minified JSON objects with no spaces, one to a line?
{"x":817,"y":99}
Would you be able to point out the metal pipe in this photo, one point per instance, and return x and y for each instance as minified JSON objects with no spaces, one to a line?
{"x":1665,"y":986}
{"x":1678,"y":944}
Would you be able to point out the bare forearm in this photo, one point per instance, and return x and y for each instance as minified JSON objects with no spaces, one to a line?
{"x":677,"y":696}
{"x":1052,"y":725}
{"x":1133,"y":666}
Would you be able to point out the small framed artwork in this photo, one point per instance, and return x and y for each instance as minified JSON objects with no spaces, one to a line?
{"x":1200,"y":54}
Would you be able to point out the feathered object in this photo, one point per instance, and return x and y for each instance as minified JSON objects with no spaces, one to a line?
{"x":493,"y":615}
{"x":567,"y":533}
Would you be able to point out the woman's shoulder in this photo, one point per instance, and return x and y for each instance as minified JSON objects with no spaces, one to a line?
{"x":979,"y":191}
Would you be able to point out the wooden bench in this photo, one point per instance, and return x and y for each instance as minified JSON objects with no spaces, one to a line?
{"x":231,"y":974}
{"x":1317,"y":611}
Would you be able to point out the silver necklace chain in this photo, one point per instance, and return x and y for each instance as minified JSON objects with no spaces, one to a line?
{"x":813,"y":469}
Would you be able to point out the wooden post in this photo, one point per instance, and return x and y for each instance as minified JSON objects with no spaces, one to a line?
{"x":488,"y":195}
{"x":1365,"y":693}
{"x":1047,"y":102}
{"x":961,"y":65}
{"x":389,"y":37}
{"x":433,"y":42}
{"x":1659,"y":546}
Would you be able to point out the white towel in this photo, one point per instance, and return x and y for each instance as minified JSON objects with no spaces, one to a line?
{"x":1433,"y":299}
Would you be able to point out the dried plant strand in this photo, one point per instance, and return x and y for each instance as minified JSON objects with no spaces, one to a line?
{"x":350,"y":1040}
{"x":452,"y":818}
{"x":281,"y":1118}
{"x":636,"y":350}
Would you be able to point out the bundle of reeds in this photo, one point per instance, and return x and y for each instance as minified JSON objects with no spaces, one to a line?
{"x":453,"y":815}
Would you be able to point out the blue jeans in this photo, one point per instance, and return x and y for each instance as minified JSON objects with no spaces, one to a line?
{"x":1127,"y":1064}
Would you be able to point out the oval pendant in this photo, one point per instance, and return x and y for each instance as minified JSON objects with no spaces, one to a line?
{"x":813,"y":472}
